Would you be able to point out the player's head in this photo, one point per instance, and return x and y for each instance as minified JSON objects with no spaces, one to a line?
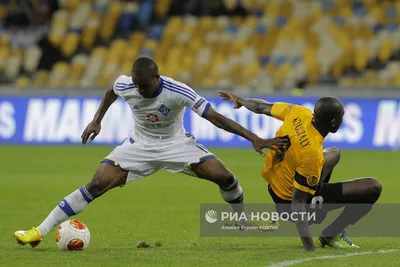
{"x":328,"y":112}
{"x":145,"y":76}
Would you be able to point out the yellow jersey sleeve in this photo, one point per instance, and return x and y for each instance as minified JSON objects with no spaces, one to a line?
{"x":308,"y":174}
{"x":279,"y":110}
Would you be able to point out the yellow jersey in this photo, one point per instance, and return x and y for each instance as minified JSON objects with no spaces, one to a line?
{"x":303,"y":155}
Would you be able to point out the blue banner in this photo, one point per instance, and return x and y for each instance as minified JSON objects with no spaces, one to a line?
{"x":368,"y":123}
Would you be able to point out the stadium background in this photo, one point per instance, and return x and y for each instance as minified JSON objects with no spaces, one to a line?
{"x":58,"y":57}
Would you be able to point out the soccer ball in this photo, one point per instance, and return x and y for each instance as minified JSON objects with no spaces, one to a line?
{"x":72,"y":235}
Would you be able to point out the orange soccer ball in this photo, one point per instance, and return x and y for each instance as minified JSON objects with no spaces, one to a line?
{"x":72,"y":235}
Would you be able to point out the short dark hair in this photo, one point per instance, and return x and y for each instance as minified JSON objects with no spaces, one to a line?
{"x":328,"y":108}
{"x":145,"y":65}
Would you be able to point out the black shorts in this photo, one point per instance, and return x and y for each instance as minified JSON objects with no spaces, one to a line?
{"x":330,"y":192}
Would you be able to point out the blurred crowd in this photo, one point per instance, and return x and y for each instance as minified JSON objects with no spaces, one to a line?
{"x":206,"y":43}
{"x":23,"y":22}
{"x":207,"y":8}
{"x":24,"y":13}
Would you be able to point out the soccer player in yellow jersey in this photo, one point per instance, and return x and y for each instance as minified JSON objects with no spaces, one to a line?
{"x":301,"y":171}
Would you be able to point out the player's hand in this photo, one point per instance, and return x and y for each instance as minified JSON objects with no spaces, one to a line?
{"x":91,"y":131}
{"x":231,"y":97}
{"x":276,"y":144}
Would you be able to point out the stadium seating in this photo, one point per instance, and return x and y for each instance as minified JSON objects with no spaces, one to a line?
{"x":5,"y":51}
{"x":40,"y":78}
{"x":31,"y":59}
{"x":279,"y":44}
{"x":23,"y":81}
{"x":13,"y":66}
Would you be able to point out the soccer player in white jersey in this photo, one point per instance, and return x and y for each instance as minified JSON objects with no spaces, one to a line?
{"x":158,"y":141}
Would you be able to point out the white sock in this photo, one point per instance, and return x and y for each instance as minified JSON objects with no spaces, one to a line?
{"x":69,"y":206}
{"x":233,"y":194}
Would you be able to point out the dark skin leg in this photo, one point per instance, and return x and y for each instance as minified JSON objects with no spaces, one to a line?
{"x":332,"y":158}
{"x":214,"y":171}
{"x":361,"y":190}
{"x":365,"y":192}
{"x":105,"y":178}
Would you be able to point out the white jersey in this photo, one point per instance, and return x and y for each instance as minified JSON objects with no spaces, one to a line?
{"x":158,"y":121}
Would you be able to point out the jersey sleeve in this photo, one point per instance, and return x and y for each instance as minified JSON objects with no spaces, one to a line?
{"x":308,"y":175}
{"x":200,"y":106}
{"x":279,"y":110}
{"x":189,"y":98}
{"x":122,"y":84}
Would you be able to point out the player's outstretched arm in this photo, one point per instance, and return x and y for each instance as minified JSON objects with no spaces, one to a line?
{"x":256,"y":105}
{"x":94,"y":127}
{"x":231,"y":126}
{"x":299,"y":199}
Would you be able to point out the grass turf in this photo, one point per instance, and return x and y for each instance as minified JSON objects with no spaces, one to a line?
{"x":163,"y":207}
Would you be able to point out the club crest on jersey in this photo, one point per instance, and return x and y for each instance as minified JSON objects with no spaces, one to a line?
{"x":152,"y":117}
{"x":199,"y":103}
{"x":312,"y":180}
{"x":164,"y":110}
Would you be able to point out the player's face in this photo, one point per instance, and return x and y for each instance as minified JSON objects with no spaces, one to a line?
{"x":146,"y":86}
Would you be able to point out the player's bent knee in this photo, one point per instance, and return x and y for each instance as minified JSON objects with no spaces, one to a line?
{"x":224,"y":178}
{"x":375,"y":188}
{"x":332,"y":157}
{"x":105,"y":178}
{"x":370,"y":189}
{"x":215,"y":171}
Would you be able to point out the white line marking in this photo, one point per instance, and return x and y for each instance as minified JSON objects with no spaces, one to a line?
{"x":298,"y":261}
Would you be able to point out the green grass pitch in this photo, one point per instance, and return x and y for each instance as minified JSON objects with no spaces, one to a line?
{"x":164,"y":207}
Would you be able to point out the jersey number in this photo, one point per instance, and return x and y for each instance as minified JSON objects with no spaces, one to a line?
{"x":281,"y":154}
